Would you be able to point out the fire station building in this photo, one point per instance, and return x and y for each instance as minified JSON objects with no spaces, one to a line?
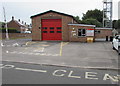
{"x":56,"y":26}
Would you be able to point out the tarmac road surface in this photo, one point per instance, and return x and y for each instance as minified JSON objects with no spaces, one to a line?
{"x":23,"y":73}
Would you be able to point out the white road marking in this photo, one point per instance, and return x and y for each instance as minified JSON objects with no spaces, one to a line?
{"x":90,"y":75}
{"x":70,"y":75}
{"x":1,"y":65}
{"x":45,"y":45}
{"x":25,"y":69}
{"x":13,"y":52}
{"x":29,"y":43}
{"x":39,"y":50}
{"x":7,"y":66}
{"x":55,"y":55}
{"x":108,"y":77}
{"x":29,"y":53}
{"x":37,"y":54}
{"x":2,"y":44}
{"x":56,"y":71}
{"x":15,"y":44}
{"x":62,"y":73}
{"x":7,"y":51}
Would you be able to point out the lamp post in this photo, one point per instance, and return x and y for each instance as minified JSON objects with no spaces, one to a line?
{"x":7,"y":36}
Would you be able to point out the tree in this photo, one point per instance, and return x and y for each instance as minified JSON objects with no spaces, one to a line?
{"x":95,"y":14}
{"x":92,"y":21}
{"x":117,"y":24}
{"x":114,"y":24}
{"x":77,"y":19}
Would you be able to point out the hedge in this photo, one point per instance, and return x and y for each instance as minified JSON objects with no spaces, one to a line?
{"x":10,"y":30}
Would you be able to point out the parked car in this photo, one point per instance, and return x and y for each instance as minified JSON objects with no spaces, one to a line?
{"x":116,"y":43}
{"x":27,"y":32}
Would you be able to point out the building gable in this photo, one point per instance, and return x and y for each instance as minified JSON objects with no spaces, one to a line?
{"x":51,"y":11}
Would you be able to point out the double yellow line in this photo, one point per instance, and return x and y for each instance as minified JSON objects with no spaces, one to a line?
{"x":61,"y":46}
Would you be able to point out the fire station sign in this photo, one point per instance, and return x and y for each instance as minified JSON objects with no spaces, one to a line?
{"x":90,"y":32}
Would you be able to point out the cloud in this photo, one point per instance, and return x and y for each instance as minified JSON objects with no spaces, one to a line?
{"x":23,"y":9}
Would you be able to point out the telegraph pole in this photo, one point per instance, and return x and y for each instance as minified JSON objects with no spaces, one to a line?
{"x":7,"y":36}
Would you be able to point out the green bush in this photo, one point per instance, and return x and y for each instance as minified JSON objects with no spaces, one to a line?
{"x":10,"y":30}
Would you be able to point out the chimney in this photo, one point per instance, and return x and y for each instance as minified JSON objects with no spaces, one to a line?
{"x":22,"y":22}
{"x":12,"y":17}
{"x":18,"y":20}
{"x":25,"y":23}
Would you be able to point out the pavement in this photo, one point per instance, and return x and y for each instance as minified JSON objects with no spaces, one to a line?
{"x":97,"y":55}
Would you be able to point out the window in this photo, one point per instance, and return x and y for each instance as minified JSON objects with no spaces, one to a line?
{"x":58,"y":31}
{"x":44,"y":31}
{"x":44,"y":27}
{"x":97,"y":31}
{"x":51,"y":27}
{"x":58,"y":27}
{"x":51,"y":31}
{"x":81,"y":32}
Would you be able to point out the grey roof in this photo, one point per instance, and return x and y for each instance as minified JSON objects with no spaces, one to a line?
{"x":103,"y":28}
{"x":19,"y":23}
{"x":54,"y":12}
{"x":82,"y":25}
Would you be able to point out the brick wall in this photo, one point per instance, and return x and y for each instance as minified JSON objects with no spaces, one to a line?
{"x":36,"y":22}
{"x":12,"y":24}
{"x":103,"y":33}
{"x":76,"y":38}
{"x":16,"y":35}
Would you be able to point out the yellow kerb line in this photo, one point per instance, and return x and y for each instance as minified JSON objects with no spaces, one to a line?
{"x":61,"y":48}
{"x":65,"y":43}
{"x":62,"y":44}
{"x":30,"y":43}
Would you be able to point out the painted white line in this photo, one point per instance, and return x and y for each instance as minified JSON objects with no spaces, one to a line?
{"x":43,"y":49}
{"x":39,"y":50}
{"x":1,"y":65}
{"x":29,"y":43}
{"x":45,"y":45}
{"x":29,"y":53}
{"x":13,"y":52}
{"x":37,"y":54}
{"x":55,"y":55}
{"x":15,"y":44}
{"x":7,"y":66}
{"x":25,"y":69}
{"x":43,"y":54}
{"x":2,"y":44}
{"x":7,"y":51}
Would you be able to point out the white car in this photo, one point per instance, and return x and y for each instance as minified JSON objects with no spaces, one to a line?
{"x":27,"y":32}
{"x":116,"y":43}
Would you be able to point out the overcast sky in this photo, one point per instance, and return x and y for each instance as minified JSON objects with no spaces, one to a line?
{"x":23,"y":9}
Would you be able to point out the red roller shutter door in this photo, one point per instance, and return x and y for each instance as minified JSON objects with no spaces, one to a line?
{"x":51,"y":29}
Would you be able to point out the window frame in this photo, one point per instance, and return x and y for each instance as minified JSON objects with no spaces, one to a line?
{"x":52,"y":31}
{"x":44,"y":28}
{"x":44,"y":31}
{"x":97,"y":31}
{"x":81,"y":32}
{"x":59,"y":31}
{"x":52,"y":27}
{"x":58,"y":28}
